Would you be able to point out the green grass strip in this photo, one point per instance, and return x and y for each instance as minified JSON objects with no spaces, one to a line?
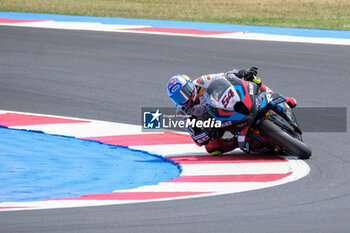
{"x":327,"y":14}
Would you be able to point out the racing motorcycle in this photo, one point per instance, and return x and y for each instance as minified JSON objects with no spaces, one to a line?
{"x":272,"y":123}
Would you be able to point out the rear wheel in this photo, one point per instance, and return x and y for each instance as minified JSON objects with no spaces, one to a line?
{"x":282,"y":139}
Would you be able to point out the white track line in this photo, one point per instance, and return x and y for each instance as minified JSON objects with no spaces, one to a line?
{"x":173,"y":150}
{"x":123,"y":28}
{"x":235,"y":168}
{"x":90,"y":129}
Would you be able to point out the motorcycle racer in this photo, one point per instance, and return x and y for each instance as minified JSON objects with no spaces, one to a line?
{"x":190,"y":103}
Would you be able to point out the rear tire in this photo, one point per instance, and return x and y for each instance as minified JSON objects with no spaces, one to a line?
{"x":281,"y":138}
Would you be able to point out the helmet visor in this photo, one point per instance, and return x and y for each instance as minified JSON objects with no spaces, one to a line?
{"x":184,"y":94}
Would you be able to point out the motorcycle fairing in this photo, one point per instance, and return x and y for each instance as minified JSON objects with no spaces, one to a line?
{"x":218,"y":92}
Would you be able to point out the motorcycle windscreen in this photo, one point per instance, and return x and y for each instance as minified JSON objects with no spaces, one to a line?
{"x":221,"y":94}
{"x":222,"y":97}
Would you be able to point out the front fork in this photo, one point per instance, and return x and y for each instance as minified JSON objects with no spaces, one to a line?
{"x":254,"y":137}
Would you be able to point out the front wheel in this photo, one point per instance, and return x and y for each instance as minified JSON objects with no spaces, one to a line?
{"x":279,"y":137}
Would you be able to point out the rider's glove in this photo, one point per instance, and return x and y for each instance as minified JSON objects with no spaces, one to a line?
{"x":250,"y":74}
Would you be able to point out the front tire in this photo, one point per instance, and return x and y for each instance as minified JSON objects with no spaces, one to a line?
{"x":281,"y":138}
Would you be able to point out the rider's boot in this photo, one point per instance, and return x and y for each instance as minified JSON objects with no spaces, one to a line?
{"x":220,"y":146}
{"x":291,"y":102}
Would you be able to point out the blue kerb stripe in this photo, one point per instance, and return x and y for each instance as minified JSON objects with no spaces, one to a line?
{"x":181,"y":24}
{"x":35,"y":166}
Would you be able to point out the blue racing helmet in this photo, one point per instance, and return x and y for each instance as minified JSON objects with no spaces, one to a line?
{"x":181,"y":90}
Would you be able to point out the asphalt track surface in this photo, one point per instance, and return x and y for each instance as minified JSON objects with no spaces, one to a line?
{"x":110,"y":76}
